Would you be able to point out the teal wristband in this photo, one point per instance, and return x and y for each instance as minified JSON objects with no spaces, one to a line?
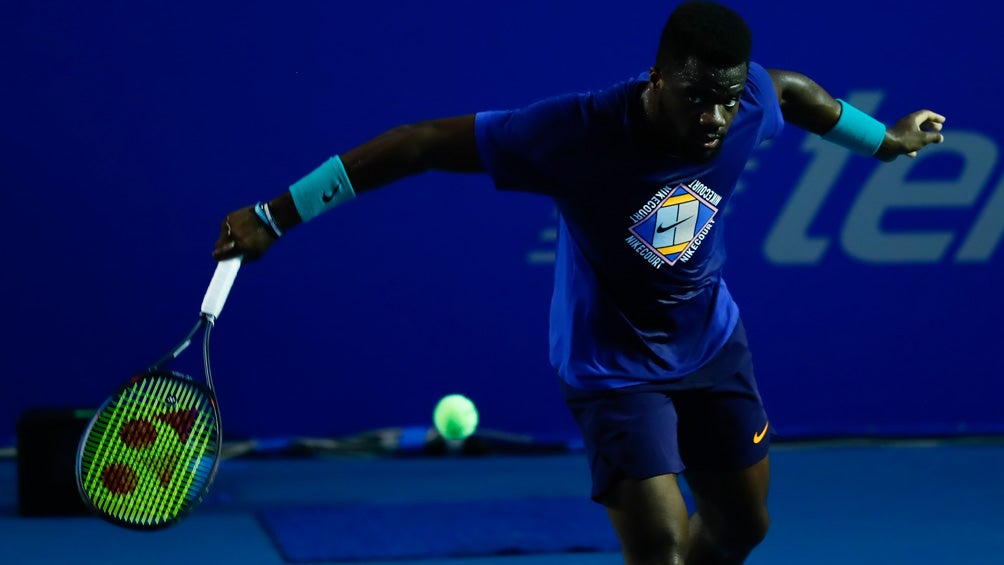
{"x":322,"y":189}
{"x":856,"y":130}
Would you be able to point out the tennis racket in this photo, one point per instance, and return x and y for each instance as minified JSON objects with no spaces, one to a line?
{"x":151,"y":451}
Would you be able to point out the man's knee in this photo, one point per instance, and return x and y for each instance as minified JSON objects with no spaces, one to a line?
{"x":732,"y":510}
{"x":653,"y":539}
{"x":738,"y":534}
{"x":650,"y":517}
{"x":751,"y":530}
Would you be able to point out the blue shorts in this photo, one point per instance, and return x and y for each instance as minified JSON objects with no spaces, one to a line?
{"x":710,"y":420}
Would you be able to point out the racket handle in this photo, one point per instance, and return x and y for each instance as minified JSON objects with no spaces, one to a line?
{"x":219,"y":287}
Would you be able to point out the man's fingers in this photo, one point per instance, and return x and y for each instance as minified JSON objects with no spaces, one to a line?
{"x":927,"y":116}
{"x":224,"y":249}
{"x":931,"y":126}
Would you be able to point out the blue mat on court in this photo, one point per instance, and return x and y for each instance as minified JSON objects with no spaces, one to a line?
{"x":464,"y":528}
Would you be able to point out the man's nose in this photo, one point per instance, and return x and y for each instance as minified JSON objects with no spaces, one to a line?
{"x":713,"y":117}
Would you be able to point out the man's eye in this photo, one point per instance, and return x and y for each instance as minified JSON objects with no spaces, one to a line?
{"x":697,"y":101}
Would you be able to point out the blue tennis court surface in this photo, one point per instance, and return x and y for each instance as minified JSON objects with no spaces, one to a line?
{"x":441,"y":529}
{"x":909,"y":503}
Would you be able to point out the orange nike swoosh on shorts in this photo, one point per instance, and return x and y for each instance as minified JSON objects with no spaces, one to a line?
{"x":757,"y":438}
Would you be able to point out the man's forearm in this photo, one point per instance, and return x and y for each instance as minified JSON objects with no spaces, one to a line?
{"x":445,"y":144}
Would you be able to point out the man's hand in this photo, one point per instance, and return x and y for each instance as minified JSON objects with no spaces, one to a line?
{"x":242,"y":233}
{"x":911,"y":134}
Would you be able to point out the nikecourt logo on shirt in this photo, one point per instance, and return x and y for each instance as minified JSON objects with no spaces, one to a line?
{"x":758,"y":437}
{"x":673,"y":223}
{"x":662,"y":229}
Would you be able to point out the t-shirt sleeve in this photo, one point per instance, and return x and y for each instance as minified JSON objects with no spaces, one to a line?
{"x":761,"y":88}
{"x":524,"y":149}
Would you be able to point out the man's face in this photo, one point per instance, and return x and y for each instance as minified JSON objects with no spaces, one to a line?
{"x":692,"y":106}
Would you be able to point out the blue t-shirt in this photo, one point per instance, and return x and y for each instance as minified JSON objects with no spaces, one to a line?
{"x":638,"y":290}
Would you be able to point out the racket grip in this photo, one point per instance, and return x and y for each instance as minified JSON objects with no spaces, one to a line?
{"x":219,"y":287}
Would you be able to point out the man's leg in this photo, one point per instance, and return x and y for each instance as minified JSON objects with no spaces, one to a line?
{"x":650,"y":518}
{"x":724,"y":441}
{"x":631,"y":445}
{"x":731,"y":513}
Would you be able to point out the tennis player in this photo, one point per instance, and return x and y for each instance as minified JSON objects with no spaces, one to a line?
{"x":645,"y":337}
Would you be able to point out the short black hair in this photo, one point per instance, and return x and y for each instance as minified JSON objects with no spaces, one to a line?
{"x":710,"y":32}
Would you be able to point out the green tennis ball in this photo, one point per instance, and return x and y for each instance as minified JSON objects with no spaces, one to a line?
{"x":455,"y":417}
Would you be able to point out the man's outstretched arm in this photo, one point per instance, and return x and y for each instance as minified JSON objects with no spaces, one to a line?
{"x":446,"y":144}
{"x":808,"y":106}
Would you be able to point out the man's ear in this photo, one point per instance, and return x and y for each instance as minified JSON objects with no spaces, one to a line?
{"x":654,"y":76}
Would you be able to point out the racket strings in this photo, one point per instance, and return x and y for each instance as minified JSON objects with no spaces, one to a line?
{"x":187,"y":490}
{"x":123,"y":412}
{"x":169,"y":479}
{"x":167,"y":487}
{"x":132,"y":406}
{"x":107,"y":451}
{"x":163,"y":504}
{"x":138,"y":506}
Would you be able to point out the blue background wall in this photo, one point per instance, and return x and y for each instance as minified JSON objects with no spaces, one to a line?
{"x":130,"y":128}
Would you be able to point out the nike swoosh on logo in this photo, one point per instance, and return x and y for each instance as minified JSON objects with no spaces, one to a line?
{"x":757,"y":438}
{"x":327,"y":196}
{"x":661,"y":229}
